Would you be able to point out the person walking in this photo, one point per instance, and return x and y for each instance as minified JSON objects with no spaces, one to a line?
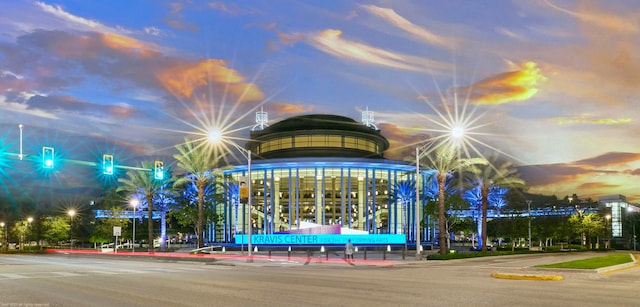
{"x":348,"y":250}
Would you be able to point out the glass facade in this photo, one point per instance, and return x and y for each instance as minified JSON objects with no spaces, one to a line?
{"x":317,"y":141}
{"x":354,"y":193}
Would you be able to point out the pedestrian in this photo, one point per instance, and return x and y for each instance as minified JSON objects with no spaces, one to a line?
{"x":348,"y":250}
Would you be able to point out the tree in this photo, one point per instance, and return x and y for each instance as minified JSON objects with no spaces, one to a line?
{"x":199,"y":164}
{"x":404,"y":192}
{"x":185,"y":210}
{"x":495,"y":173}
{"x":163,"y":200}
{"x":445,"y":160}
{"x":103,"y":230}
{"x":142,"y":182}
{"x":56,"y":229}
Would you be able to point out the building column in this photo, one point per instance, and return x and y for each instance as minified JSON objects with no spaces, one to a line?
{"x":362,"y":206}
{"x":318,"y":200}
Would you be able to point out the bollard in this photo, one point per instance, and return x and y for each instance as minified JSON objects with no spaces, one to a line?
{"x":327,"y":254}
{"x":404,"y":252}
{"x":255,"y":249}
{"x":224,"y":249}
{"x":365,"y":253}
{"x":289,"y":254}
{"x":269,"y":254}
{"x":384,"y":255}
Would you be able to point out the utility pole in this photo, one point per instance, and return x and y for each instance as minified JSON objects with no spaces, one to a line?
{"x":529,"y":207}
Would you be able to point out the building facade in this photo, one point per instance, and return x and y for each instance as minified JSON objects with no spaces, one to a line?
{"x":322,"y":170}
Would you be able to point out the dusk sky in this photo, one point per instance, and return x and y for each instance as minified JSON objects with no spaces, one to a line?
{"x":553,"y":85}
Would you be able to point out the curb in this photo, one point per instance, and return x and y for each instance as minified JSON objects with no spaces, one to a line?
{"x":526,"y":276}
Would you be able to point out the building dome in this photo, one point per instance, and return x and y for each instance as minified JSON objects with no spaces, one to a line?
{"x":317,"y":135}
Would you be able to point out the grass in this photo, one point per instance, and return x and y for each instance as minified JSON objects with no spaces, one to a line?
{"x":591,"y":263}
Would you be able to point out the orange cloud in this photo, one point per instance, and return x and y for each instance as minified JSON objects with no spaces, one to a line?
{"x":291,"y":39}
{"x":589,"y":119}
{"x":610,"y":21}
{"x":183,"y":80}
{"x":282,"y":109}
{"x":115,"y":41}
{"x":121,"y":111}
{"x":510,"y":86}
{"x":402,"y":145}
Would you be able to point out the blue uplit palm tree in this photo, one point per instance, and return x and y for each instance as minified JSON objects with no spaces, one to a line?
{"x":445,"y":160}
{"x":404,"y":192}
{"x":142,"y":182}
{"x":496,"y":173}
{"x":199,"y":163}
{"x":497,"y":198}
{"x":164,"y":199}
{"x":473,"y":196}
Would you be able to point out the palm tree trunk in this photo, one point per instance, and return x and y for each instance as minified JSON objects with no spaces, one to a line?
{"x":200,"y":225}
{"x":485,"y":201}
{"x":150,"y":246}
{"x":441,"y":218}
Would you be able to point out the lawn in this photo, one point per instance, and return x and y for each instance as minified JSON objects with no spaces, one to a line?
{"x":591,"y":263}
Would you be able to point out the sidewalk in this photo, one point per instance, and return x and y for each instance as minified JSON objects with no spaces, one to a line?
{"x":369,"y":258}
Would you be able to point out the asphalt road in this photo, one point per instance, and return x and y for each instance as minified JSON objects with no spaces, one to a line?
{"x":94,"y":280}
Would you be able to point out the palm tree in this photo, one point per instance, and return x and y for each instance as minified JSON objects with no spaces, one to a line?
{"x":495,"y":173}
{"x":198,"y":162}
{"x":444,"y":160}
{"x":404,"y":191}
{"x":142,"y":182}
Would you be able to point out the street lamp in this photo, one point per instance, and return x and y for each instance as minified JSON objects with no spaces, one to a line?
{"x":134,"y":203}
{"x":4,"y":238}
{"x":418,"y":254}
{"x":71,"y":213}
{"x":606,"y":229}
{"x":247,"y":154}
{"x":419,"y":149}
{"x":29,"y":220}
{"x":215,"y":136}
{"x":529,"y":208}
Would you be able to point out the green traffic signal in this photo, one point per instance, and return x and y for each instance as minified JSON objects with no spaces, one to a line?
{"x":47,"y":157}
{"x":158,"y":170}
{"x":107,"y":164}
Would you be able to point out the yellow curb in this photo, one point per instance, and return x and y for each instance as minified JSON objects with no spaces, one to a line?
{"x":526,"y":276}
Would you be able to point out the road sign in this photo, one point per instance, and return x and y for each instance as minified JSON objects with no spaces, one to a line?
{"x":117,"y":231}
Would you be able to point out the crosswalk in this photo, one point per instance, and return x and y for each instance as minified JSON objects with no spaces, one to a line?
{"x":65,"y":274}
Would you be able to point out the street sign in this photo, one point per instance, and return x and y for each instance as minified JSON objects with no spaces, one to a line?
{"x":117,"y":231}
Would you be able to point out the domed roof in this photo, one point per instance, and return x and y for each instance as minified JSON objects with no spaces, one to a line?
{"x":316,"y":122}
{"x":317,"y":135}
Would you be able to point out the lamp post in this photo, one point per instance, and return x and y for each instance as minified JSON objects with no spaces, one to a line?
{"x":215,"y":136}
{"x":247,"y":154}
{"x":71,"y":213}
{"x":134,"y":204}
{"x":4,"y":237}
{"x":606,"y":229}
{"x":418,"y":253}
{"x":29,"y":220}
{"x":529,"y":208}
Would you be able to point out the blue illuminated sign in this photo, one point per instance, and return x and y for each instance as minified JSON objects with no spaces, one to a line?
{"x":322,"y":239}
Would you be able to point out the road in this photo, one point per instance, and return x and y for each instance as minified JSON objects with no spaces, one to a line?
{"x":92,"y":280}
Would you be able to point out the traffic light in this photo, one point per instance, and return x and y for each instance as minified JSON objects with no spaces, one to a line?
{"x":107,"y":164}
{"x":47,"y":157}
{"x":158,"y":170}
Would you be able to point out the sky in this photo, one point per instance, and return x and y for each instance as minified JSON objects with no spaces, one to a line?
{"x":552,"y":85}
